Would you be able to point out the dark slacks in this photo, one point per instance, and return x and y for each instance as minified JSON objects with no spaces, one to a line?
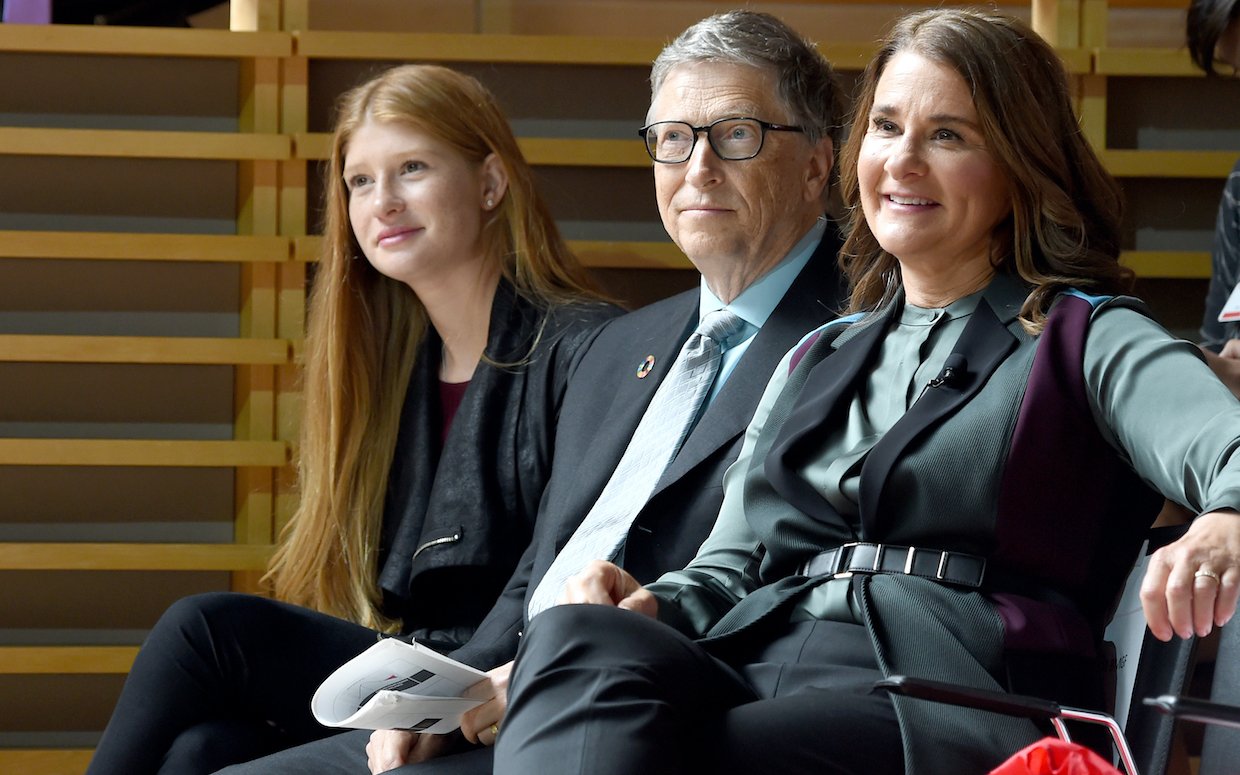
{"x":223,"y":678}
{"x":342,"y":754}
{"x":608,"y":692}
{"x":345,"y":754}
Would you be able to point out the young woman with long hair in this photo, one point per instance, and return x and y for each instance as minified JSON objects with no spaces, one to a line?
{"x":444,"y":316}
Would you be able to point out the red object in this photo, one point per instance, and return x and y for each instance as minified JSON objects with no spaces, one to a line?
{"x":1052,"y":756}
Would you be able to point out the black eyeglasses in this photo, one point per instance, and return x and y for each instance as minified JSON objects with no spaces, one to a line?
{"x":734,"y":139}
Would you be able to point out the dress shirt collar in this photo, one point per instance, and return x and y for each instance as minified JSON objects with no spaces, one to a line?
{"x":756,"y":303}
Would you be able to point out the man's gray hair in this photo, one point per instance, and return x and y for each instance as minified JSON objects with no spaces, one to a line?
{"x":807,"y":84}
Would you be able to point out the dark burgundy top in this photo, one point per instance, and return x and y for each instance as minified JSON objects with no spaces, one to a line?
{"x":450,"y":395}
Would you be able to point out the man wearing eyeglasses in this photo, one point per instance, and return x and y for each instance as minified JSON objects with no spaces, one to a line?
{"x":742,"y":132}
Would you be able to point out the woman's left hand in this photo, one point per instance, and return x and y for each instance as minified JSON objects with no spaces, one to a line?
{"x":1192,"y":585}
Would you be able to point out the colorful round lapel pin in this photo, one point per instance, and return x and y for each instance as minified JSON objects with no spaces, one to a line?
{"x":646,"y":367}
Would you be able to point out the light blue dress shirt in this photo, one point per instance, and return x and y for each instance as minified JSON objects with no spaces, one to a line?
{"x":756,"y":303}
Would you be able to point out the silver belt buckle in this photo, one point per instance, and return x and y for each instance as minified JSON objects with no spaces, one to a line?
{"x":942,"y":566}
{"x":844,"y":558}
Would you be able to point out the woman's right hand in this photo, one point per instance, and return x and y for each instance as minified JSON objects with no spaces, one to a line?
{"x":605,"y":583}
{"x":1192,"y":584}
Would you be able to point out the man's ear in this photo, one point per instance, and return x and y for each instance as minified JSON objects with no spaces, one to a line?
{"x":494,"y":179}
{"x":818,"y":169}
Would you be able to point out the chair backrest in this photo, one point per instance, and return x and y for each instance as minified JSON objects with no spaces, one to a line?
{"x":1162,"y":668}
{"x":1220,"y":752}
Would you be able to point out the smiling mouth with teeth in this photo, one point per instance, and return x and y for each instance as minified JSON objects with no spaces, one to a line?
{"x":908,"y":200}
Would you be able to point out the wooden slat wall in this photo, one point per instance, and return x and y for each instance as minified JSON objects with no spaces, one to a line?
{"x":255,"y":453}
{"x":1143,"y":171}
{"x":275,"y":152}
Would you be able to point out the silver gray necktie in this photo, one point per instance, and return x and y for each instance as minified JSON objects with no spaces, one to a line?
{"x":654,"y":445}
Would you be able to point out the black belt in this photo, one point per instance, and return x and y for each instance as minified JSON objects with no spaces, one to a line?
{"x":950,"y":567}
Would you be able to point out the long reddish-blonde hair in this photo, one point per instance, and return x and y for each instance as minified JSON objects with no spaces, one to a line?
{"x":365,"y":329}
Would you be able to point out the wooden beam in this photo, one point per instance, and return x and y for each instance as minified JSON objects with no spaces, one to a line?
{"x":71,"y":660}
{"x":116,"y":246}
{"x":1095,"y":23}
{"x":1077,"y":61}
{"x":307,"y":248}
{"x":1168,"y":264}
{"x":539,"y":151}
{"x":128,"y":143}
{"x":142,"y":41}
{"x":472,"y":47}
{"x":53,"y":761}
{"x":1174,"y":5}
{"x":131,"y":452}
{"x":1169,"y":164}
{"x":557,"y":152}
{"x":1145,"y":61}
{"x":1092,"y":109}
{"x":519,"y":49}
{"x":630,"y":255}
{"x":34,"y":348}
{"x":600,"y":254}
{"x":1058,"y":21}
{"x":130,"y":557}
{"x":315,"y":146}
{"x":254,"y":15}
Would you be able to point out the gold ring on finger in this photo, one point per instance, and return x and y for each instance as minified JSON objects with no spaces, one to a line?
{"x":1206,"y":573}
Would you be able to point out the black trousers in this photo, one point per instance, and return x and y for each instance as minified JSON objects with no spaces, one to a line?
{"x":608,"y":692}
{"x":223,"y":678}
{"x":345,"y":754}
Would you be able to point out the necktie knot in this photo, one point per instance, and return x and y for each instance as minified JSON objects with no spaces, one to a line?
{"x":720,"y":326}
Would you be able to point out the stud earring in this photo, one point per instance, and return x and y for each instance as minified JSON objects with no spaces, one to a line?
{"x":490,"y":203}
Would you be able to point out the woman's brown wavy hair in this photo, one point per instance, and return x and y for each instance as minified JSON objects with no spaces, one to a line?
{"x":1064,"y":229}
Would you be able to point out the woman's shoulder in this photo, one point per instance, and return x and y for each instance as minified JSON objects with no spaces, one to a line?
{"x":1098,"y":304}
{"x":575,"y":321}
{"x":1118,"y":325}
{"x":564,"y":327}
{"x":580,"y":313}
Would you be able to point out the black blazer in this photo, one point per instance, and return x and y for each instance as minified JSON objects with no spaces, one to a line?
{"x":603,"y":405}
{"x":456,"y":520}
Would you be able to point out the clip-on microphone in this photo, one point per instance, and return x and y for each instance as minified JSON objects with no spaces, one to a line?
{"x":955,"y":368}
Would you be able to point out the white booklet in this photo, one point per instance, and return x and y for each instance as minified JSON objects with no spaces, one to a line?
{"x":399,"y":685}
{"x":1127,"y":632}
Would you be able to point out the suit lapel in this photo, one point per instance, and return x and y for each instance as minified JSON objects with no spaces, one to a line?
{"x":827,"y":390}
{"x":633,"y":394}
{"x":984,"y":343}
{"x":813,"y":298}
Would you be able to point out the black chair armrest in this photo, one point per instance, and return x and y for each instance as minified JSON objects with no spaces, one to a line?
{"x":1021,"y":706}
{"x":1201,"y":711}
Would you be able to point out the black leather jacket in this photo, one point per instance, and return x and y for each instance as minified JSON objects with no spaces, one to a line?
{"x":456,"y":521}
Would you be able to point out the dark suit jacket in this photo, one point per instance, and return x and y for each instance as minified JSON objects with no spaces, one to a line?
{"x":602,"y":406}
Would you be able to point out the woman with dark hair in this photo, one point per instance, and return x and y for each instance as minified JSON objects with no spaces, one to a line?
{"x":952,"y":483}
{"x":1214,"y":34}
{"x":445,"y":313}
{"x":1214,"y":39}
